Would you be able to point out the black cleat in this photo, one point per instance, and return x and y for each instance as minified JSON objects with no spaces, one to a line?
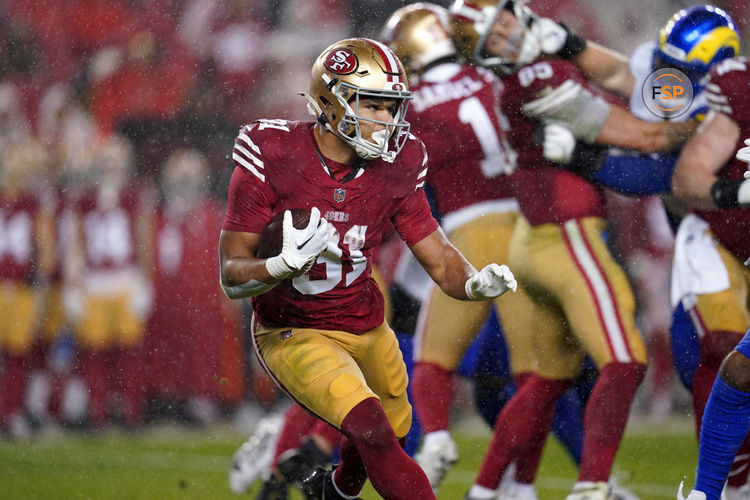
{"x":302,"y":462}
{"x":275,"y":488}
{"x":319,"y":486}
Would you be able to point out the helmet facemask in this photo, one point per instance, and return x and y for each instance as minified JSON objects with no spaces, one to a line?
{"x":349,"y":126}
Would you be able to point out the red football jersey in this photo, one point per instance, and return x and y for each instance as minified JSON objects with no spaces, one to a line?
{"x":278,"y":167}
{"x":727,"y":92}
{"x":17,"y":246}
{"x":109,"y":233}
{"x":546,"y":193}
{"x":455,"y":113}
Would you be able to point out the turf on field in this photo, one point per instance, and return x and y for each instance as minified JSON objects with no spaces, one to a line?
{"x":167,"y":463}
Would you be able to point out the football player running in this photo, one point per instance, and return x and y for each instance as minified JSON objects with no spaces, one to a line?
{"x":726,"y":418}
{"x":712,"y":246}
{"x":454,"y":111}
{"x":583,"y":303}
{"x":321,"y":335}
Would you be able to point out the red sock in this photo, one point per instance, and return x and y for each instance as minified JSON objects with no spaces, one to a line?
{"x":93,"y":369}
{"x":739,"y":472}
{"x":297,"y":423}
{"x":527,"y":463}
{"x":432,"y":392}
{"x":715,"y":345}
{"x":133,"y":384}
{"x":393,"y":474}
{"x":660,"y":361}
{"x":13,"y":384}
{"x":520,"y":422}
{"x":605,"y":417}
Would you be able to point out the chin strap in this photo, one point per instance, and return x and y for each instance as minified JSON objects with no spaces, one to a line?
{"x":314,"y":109}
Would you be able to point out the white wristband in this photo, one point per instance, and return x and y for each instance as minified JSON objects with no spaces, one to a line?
{"x":277,"y":268}
{"x":743,"y":194}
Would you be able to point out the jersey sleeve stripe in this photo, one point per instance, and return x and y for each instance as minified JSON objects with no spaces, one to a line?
{"x":717,"y":102}
{"x":249,"y":156}
{"x":717,"y":98}
{"x":246,"y":139}
{"x":248,"y":166}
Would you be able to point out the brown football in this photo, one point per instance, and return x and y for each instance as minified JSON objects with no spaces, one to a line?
{"x":272,"y":236}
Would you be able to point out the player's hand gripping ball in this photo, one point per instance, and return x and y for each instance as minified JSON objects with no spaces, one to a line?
{"x":292,"y":241}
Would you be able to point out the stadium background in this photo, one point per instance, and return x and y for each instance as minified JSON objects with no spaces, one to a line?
{"x":175,"y":74}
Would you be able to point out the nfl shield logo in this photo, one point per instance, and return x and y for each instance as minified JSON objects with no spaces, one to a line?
{"x":339,"y":194}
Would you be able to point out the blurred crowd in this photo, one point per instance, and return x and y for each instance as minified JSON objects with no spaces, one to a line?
{"x":116,"y":123}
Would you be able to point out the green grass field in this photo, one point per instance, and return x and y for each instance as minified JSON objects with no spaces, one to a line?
{"x":170,"y":463}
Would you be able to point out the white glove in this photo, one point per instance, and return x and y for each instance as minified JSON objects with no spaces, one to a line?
{"x":694,"y":495}
{"x":744,"y":155}
{"x":491,"y":282}
{"x":559,"y":143}
{"x":300,"y":247}
{"x":549,"y":34}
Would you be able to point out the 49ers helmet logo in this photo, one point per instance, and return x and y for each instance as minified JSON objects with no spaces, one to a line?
{"x":341,"y":62}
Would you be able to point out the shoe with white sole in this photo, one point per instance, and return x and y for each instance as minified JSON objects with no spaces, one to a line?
{"x":588,"y":490}
{"x":253,"y":459}
{"x":438,"y":454}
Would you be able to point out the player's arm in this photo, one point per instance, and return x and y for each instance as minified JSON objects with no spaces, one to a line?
{"x":242,"y":274}
{"x":695,"y":177}
{"x":607,"y":68}
{"x":455,"y":275}
{"x":245,"y":275}
{"x":593,"y":120}
{"x":624,"y":130}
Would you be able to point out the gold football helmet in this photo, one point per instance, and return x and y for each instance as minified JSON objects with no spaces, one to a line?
{"x":472,"y":21}
{"x":419,"y":35}
{"x":349,"y":71}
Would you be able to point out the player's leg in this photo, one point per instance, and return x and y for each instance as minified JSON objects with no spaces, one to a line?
{"x":315,"y":451}
{"x":445,"y":330}
{"x":599,"y":306}
{"x":726,"y":422}
{"x":20,"y":323}
{"x":515,"y":315}
{"x":320,"y":370}
{"x":722,"y":318}
{"x":529,"y":411}
{"x":130,"y":332}
{"x":685,"y":345}
{"x":94,"y":339}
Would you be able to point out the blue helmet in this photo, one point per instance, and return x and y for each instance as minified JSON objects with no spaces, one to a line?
{"x":695,"y":39}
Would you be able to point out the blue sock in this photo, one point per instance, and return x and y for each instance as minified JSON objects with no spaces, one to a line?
{"x":726,"y":422}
